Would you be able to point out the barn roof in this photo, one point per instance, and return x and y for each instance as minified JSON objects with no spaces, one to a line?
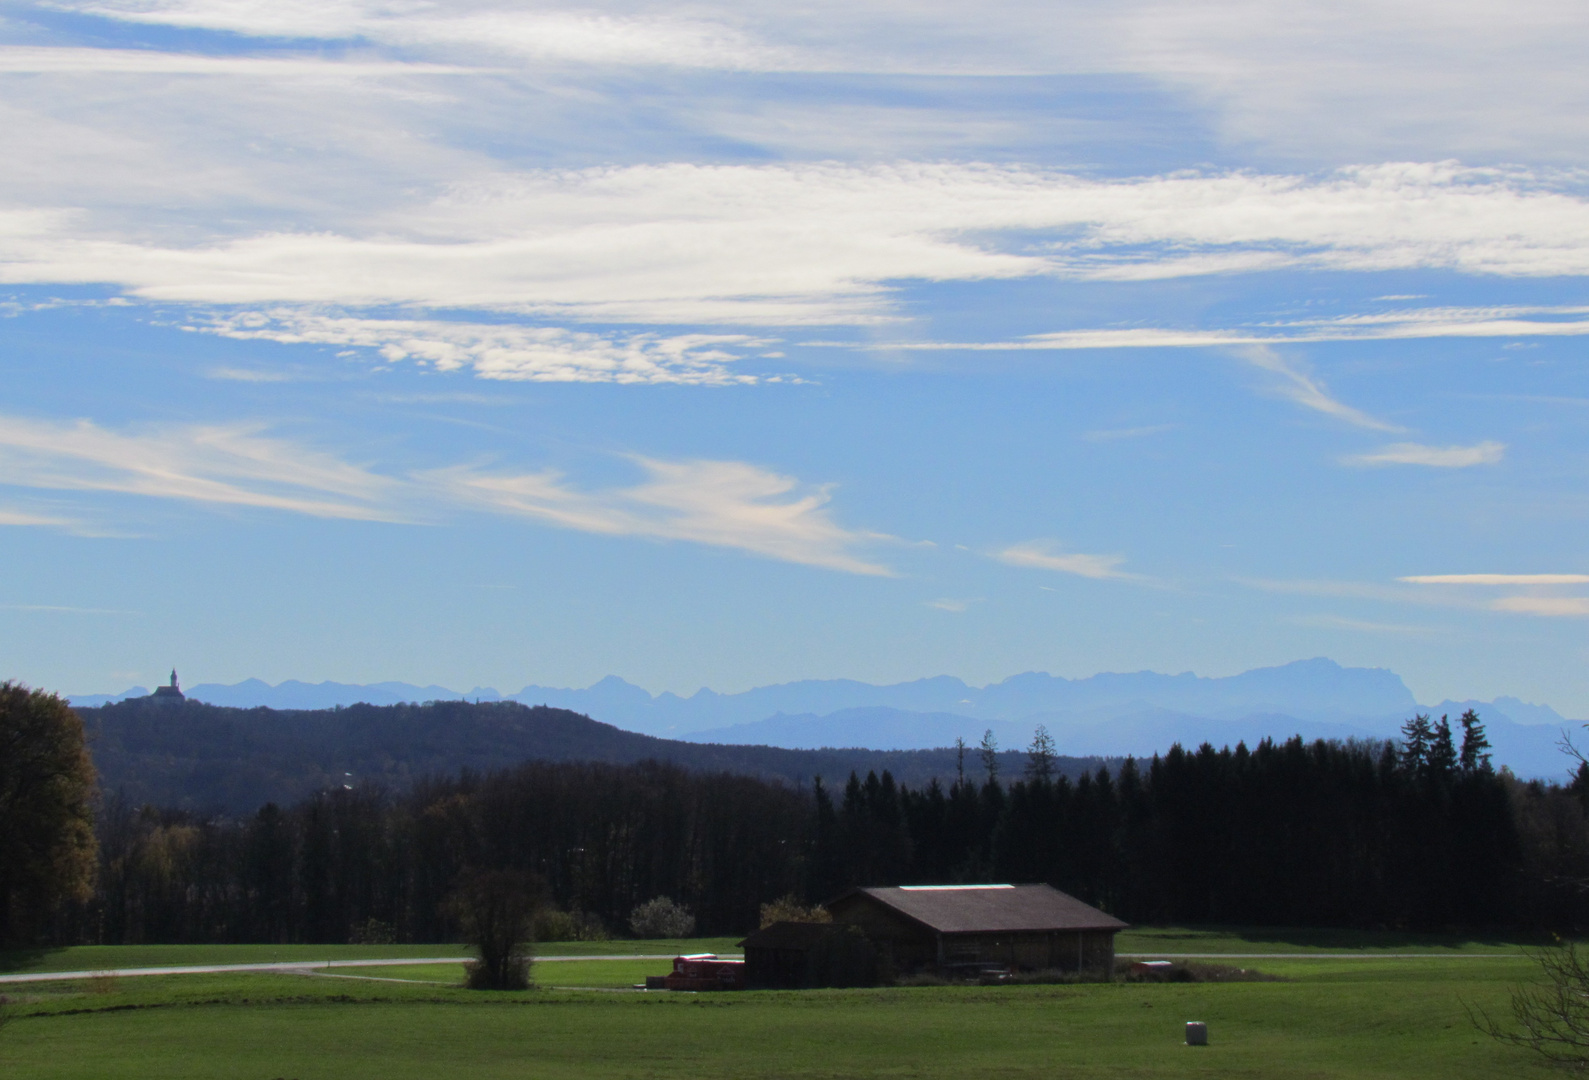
{"x":972,"y":909}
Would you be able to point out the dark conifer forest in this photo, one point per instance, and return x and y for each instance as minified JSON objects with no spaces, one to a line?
{"x":1412,"y":835}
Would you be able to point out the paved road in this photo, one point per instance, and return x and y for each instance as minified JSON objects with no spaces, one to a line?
{"x":1316,"y":956}
{"x":298,"y":965}
{"x":323,"y":965}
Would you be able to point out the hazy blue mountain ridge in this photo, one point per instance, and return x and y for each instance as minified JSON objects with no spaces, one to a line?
{"x":1108,"y":714}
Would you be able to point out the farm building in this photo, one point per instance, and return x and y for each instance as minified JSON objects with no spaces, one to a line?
{"x":950,"y":928}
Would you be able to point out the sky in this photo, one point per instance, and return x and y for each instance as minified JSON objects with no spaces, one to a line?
{"x":720,"y":345}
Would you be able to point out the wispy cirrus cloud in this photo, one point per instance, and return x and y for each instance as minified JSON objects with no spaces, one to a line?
{"x":508,"y":352}
{"x":42,"y":60}
{"x":29,"y":518}
{"x":1046,"y":555}
{"x":1547,"y":606}
{"x":1456,"y":591}
{"x":236,"y":465}
{"x":720,"y":503}
{"x":727,"y":504}
{"x":690,"y":243}
{"x":1497,"y":579}
{"x":1510,"y":321}
{"x":1306,"y":390}
{"x":1435,"y":457}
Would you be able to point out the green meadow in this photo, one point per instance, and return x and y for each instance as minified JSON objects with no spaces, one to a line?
{"x":1374,"y":1015}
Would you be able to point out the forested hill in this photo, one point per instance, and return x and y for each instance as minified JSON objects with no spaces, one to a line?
{"x":206,"y":757}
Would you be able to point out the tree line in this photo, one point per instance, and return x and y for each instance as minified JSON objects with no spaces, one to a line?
{"x":1416,"y":834}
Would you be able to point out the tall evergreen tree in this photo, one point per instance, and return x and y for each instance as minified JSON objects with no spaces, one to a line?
{"x":1040,"y":756}
{"x":1474,"y":744}
{"x":989,"y":749}
{"x":1416,"y":734}
{"x":1442,"y":751}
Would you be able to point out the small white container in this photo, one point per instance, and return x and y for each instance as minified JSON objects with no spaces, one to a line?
{"x":1196,"y":1033}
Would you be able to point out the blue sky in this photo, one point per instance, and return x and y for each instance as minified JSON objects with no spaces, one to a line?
{"x":723,"y":345}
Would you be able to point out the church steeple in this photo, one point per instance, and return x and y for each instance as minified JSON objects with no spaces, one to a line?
{"x":169,"y":695}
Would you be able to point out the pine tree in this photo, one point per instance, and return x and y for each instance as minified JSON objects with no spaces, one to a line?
{"x":1474,"y":744}
{"x":1040,"y":756}
{"x":1415,"y":737}
{"x":990,"y":755}
{"x":1442,"y":751}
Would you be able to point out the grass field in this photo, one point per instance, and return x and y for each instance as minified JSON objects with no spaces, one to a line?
{"x":1371,"y":1017}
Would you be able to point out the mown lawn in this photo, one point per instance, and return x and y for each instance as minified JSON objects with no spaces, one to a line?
{"x":1334,"y":1018}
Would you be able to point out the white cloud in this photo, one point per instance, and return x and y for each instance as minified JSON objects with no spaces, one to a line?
{"x":728,"y":504}
{"x":1440,"y":457}
{"x":1043,"y":555}
{"x":1413,"y":324}
{"x":949,"y":604}
{"x":508,"y":352}
{"x":788,"y":244}
{"x":1497,"y":579}
{"x":11,"y":516}
{"x":35,"y":60}
{"x":1549,"y":606}
{"x":229,"y":465}
{"x":1306,"y":390}
{"x":721,"y":503}
{"x":1338,"y":622}
{"x":1319,"y":79}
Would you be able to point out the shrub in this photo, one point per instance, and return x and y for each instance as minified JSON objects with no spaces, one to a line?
{"x":554,"y":925}
{"x":661,"y":918}
{"x":373,"y":931}
{"x":790,"y":909}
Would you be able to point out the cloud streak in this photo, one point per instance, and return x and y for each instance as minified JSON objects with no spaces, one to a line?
{"x":1497,"y":579}
{"x":507,"y":352}
{"x":233,"y":465}
{"x":1045,"y":555}
{"x":690,"y":243}
{"x":1307,"y":391}
{"x":1438,"y":457}
{"x":719,"y":503}
{"x":1402,"y":325}
{"x":725,"y":504}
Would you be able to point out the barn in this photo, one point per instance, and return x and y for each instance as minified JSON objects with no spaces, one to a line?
{"x":950,"y":927}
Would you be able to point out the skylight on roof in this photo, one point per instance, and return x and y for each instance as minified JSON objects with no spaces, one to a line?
{"x":948,"y":888}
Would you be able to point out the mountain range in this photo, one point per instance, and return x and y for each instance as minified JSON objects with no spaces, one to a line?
{"x":1104,"y":715}
{"x":200,"y":757}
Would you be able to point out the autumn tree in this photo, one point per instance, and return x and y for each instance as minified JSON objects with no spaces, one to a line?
{"x":47,"y":789}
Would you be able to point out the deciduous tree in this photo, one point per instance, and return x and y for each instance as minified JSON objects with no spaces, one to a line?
{"x":47,"y":790}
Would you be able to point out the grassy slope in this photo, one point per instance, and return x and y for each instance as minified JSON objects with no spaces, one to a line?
{"x":1379,"y":1019}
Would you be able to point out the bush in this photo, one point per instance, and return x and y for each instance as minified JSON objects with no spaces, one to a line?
{"x":554,"y":925}
{"x":790,"y":909}
{"x":661,"y":918}
{"x":373,"y":931}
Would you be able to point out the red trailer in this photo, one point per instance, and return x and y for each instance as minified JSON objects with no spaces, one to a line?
{"x":702,"y":971}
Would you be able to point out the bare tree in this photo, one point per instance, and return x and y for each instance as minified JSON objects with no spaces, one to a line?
{"x":496,"y":909}
{"x":1550,"y":1018}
